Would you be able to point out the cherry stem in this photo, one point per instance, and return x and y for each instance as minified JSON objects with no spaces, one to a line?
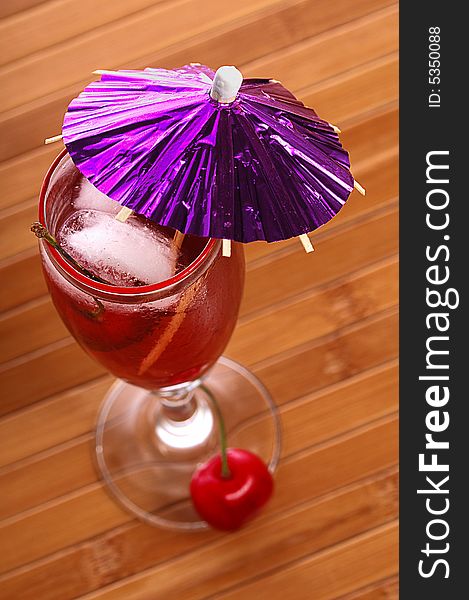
{"x":42,"y":233}
{"x":225,"y":469}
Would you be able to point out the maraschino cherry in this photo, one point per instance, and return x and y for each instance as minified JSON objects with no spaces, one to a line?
{"x":230,"y":488}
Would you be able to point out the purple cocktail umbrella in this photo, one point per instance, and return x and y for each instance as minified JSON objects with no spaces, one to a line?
{"x":209,"y":154}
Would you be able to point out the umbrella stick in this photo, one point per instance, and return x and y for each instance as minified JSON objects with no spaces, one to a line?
{"x":307,"y":245}
{"x":51,"y":140}
{"x":225,"y":88}
{"x":335,"y":128}
{"x":226,"y":248}
{"x":359,"y":188}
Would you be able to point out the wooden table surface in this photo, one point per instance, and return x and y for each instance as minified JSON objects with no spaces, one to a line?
{"x":320,"y":330}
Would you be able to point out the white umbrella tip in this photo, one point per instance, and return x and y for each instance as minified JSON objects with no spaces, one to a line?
{"x":226,"y":84}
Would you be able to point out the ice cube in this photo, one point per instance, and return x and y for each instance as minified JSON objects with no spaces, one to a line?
{"x":89,"y":197}
{"x":130,"y":253}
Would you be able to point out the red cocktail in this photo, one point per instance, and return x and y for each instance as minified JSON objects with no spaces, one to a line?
{"x":149,"y":335}
{"x":157,"y":316}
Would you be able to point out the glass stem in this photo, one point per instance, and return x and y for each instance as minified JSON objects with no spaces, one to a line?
{"x":179,"y":404}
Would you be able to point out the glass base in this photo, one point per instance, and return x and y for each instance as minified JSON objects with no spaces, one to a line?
{"x":147,"y":447}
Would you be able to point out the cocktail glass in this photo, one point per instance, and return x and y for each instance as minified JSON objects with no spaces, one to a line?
{"x":163,"y":342}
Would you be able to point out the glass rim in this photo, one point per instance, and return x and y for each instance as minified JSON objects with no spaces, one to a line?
{"x":108,"y":288}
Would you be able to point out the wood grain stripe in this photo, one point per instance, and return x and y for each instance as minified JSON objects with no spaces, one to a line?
{"x":53,"y":22}
{"x":344,"y":248}
{"x":323,"y":577}
{"x":10,"y":7}
{"x":380,"y":590}
{"x":296,"y":373}
{"x":310,"y":474}
{"x":360,"y":89}
{"x":317,"y":314}
{"x":291,"y":540}
{"x":112,"y":45}
{"x":314,"y":418}
{"x":22,"y":279}
{"x":25,"y":127}
{"x":126,"y":551}
{"x":53,"y":422}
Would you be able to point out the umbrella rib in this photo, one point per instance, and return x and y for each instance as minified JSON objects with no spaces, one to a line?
{"x":264,"y":160}
{"x":249,"y":187}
